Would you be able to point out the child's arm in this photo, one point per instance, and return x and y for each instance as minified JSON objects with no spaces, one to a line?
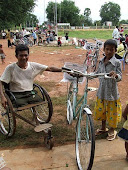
{"x":118,"y":73}
{"x":125,"y":112}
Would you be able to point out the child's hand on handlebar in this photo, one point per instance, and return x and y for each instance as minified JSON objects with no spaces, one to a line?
{"x":113,"y":74}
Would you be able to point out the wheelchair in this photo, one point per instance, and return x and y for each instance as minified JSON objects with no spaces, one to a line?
{"x":37,"y":114}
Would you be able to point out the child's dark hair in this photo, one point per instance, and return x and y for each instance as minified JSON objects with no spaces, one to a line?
{"x":21,"y":47}
{"x":110,"y":42}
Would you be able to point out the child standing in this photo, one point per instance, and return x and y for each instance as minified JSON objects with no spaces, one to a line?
{"x":123,"y":133}
{"x":59,"y":42}
{"x":108,"y":105}
{"x":2,"y":54}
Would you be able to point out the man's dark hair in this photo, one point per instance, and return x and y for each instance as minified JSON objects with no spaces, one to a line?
{"x":117,"y":26}
{"x":21,"y":47}
{"x":110,"y":42}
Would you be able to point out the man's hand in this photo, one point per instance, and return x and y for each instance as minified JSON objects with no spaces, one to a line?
{"x":4,"y":101}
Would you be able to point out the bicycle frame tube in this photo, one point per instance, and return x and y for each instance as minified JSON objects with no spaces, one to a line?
{"x":75,"y":91}
{"x":83,"y":98}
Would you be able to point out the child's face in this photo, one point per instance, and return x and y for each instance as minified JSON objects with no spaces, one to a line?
{"x":109,"y":51}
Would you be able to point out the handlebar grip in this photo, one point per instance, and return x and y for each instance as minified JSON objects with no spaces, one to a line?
{"x":66,"y":69}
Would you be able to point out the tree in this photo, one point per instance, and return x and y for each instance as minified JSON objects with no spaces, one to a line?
{"x":124,"y":22}
{"x":88,"y":20}
{"x":14,"y":12}
{"x":87,"y":13}
{"x":110,"y":12}
{"x":31,"y":20}
{"x":69,"y":12}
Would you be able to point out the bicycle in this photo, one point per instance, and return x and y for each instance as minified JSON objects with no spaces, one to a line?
{"x":78,"y":109}
{"x":92,"y":55}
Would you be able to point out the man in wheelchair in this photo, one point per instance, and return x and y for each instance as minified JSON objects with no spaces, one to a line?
{"x":20,"y":76}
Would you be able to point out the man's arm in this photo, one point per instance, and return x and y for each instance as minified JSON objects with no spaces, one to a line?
{"x":53,"y":69}
{"x":3,"y":98}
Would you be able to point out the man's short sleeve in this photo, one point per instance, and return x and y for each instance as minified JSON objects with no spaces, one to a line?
{"x":38,"y":68}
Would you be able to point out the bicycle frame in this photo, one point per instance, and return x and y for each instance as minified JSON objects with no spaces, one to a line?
{"x":83,"y":100}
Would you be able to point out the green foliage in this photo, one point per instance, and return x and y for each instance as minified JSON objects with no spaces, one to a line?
{"x":123,"y":22}
{"x":50,"y":11}
{"x":65,"y":10}
{"x":87,"y":12}
{"x":13,"y":12}
{"x":31,"y":20}
{"x":110,"y":12}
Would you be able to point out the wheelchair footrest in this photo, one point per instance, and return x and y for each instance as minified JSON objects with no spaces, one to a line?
{"x":42,"y":127}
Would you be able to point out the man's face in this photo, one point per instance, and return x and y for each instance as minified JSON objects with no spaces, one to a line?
{"x":22,"y":57}
{"x":109,"y":51}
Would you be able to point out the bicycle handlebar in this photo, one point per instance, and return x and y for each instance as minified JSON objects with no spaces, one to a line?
{"x":76,"y":73}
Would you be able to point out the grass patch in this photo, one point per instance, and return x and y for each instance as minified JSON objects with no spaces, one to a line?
{"x":90,"y":34}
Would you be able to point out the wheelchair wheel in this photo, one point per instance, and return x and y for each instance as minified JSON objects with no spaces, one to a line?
{"x":44,"y":111}
{"x":7,"y":119}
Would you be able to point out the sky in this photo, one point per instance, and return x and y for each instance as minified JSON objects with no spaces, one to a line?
{"x":94,"y":6}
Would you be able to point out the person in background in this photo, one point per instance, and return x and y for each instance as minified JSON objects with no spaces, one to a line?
{"x":9,"y":38}
{"x":121,"y":31}
{"x":2,"y":54}
{"x":34,"y":37}
{"x":3,"y":34}
{"x":116,"y":35}
{"x":108,"y":105}
{"x":23,"y":32}
{"x":66,"y":36}
{"x":59,"y":42}
{"x":126,"y":39}
{"x":120,"y":49}
{"x":123,"y":133}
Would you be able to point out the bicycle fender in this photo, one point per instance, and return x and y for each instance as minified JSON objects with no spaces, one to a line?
{"x":88,"y":111}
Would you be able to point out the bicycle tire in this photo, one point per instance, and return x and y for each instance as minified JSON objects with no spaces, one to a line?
{"x":70,"y":104}
{"x":7,"y":119}
{"x":44,"y":111}
{"x":85,"y":142}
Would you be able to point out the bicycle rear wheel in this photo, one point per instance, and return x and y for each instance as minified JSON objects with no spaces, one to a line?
{"x":85,"y":142}
{"x":7,"y":119}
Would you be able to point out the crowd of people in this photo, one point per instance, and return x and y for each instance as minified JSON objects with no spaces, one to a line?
{"x":33,"y":37}
{"x":122,"y":41}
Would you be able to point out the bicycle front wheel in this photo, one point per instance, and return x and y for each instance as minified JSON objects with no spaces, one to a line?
{"x":85,"y":142}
